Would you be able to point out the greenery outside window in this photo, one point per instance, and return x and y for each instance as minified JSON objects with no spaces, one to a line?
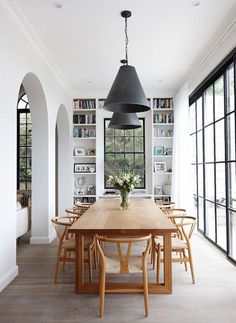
{"x":124,"y":150}
{"x":24,"y":144}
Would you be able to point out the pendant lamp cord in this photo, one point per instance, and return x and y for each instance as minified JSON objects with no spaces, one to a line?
{"x":126,"y":41}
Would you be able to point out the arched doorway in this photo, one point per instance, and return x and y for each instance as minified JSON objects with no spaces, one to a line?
{"x":40,"y":229}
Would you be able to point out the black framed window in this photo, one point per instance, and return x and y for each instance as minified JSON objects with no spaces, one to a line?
{"x":212,"y":117}
{"x":24,"y":144}
{"x":124,"y":150}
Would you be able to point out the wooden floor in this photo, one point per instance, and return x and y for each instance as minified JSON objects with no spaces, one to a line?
{"x":33,"y":297}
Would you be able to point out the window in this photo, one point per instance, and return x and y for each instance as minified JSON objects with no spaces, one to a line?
{"x":124,"y":150}
{"x":212,"y":117}
{"x":24,"y":144}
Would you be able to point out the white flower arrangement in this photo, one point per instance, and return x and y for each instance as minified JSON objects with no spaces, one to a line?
{"x":124,"y":181}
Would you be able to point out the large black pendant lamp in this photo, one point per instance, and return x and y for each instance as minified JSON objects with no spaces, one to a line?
{"x":124,"y":121}
{"x":126,"y":94}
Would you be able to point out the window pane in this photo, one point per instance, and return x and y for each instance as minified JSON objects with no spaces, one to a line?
{"x":200,"y":214}
{"x":220,"y":140}
{"x":232,"y":235}
{"x":220,"y":183}
{"x":221,"y":226}
{"x":208,"y":105}
{"x":193,"y":147}
{"x":231,"y":136}
{"x":200,"y":180}
{"x":194,"y":179}
{"x":232,"y":185}
{"x":129,"y":161}
{"x":109,"y":142}
{"x":129,"y":144}
{"x":119,"y":144}
{"x":138,"y":144}
{"x":22,"y":151}
{"x":199,"y":146}
{"x":192,"y":116}
{"x":29,"y":129}
{"x":22,"y":129}
{"x":210,"y":220}
{"x":219,"y":98}
{"x":199,"y":113}
{"x":209,"y":182}
{"x":230,"y":88}
{"x":209,"y":143}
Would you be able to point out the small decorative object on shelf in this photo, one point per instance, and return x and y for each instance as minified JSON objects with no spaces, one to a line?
{"x":159,"y":167}
{"x":125,"y":182}
{"x":84,"y":168}
{"x":158,"y":150}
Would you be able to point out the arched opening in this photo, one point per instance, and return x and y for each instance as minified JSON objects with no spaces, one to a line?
{"x":40,"y":232}
{"x":62,"y":162}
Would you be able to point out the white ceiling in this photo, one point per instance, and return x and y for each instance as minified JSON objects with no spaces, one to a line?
{"x":85,"y":38}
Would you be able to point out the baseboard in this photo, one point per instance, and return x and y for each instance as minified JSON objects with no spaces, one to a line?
{"x":8,"y":278}
{"x":42,"y":240}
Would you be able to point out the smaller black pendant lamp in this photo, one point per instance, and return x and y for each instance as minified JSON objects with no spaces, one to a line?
{"x":126,"y":94}
{"x":124,"y":121}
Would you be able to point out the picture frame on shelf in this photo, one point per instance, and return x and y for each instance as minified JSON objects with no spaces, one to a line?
{"x":158,"y":150}
{"x":84,"y":167}
{"x":79,"y":151}
{"x":91,"y":152}
{"x":159,"y":167}
{"x":158,"y":190}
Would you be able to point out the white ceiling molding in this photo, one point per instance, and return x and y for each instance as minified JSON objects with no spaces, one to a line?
{"x":19,"y":18}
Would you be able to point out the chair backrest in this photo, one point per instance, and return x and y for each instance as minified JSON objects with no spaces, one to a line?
{"x":61,"y":225}
{"x":75,"y":211}
{"x":185,"y":225}
{"x":174,"y":211}
{"x":124,"y":258}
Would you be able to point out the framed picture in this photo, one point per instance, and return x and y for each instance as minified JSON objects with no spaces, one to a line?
{"x":158,"y":190}
{"x":84,"y":168}
{"x":158,"y":150}
{"x":79,"y":151}
{"x":91,"y":152}
{"x":159,"y":167}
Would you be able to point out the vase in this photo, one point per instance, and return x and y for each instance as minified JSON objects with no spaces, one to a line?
{"x":124,"y":200}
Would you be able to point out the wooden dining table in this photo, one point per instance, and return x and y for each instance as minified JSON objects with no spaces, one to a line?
{"x":141,"y":218}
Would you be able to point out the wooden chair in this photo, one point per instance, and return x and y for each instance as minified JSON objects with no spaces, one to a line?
{"x":174,"y":211}
{"x":122,"y":264}
{"x":66,"y":245}
{"x":180,"y":244}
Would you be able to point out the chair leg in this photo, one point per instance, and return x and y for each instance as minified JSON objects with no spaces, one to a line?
{"x":95,"y":257}
{"x":90,"y":263}
{"x":158,"y":262}
{"x":185,"y":263}
{"x":145,"y":287}
{"x":191,"y":264}
{"x":102,"y":292}
{"x":64,"y":262}
{"x":153,"y":254}
{"x":57,"y":264}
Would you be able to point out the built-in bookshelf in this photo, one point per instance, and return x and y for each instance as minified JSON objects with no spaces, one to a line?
{"x":163,"y":132}
{"x":84,"y":150}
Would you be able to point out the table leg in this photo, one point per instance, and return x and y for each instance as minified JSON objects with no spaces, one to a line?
{"x":79,"y":263}
{"x":167,"y":262}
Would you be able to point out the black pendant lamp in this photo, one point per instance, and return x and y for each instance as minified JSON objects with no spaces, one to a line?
{"x":126,"y":94}
{"x":124,"y":121}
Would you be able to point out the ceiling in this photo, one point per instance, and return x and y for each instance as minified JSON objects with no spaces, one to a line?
{"x":85,"y":38}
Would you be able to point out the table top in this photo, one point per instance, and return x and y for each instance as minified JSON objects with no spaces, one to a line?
{"x":105,"y":216}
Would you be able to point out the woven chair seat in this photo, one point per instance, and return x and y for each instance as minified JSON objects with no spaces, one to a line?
{"x":113,"y":265}
{"x":175,"y":242}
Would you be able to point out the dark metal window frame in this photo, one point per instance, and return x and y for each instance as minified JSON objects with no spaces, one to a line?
{"x":19,"y":111}
{"x":134,"y":153}
{"x":198,"y":93}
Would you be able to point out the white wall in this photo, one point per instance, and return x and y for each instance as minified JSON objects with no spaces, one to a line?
{"x":181,"y":181}
{"x":19,"y":55}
